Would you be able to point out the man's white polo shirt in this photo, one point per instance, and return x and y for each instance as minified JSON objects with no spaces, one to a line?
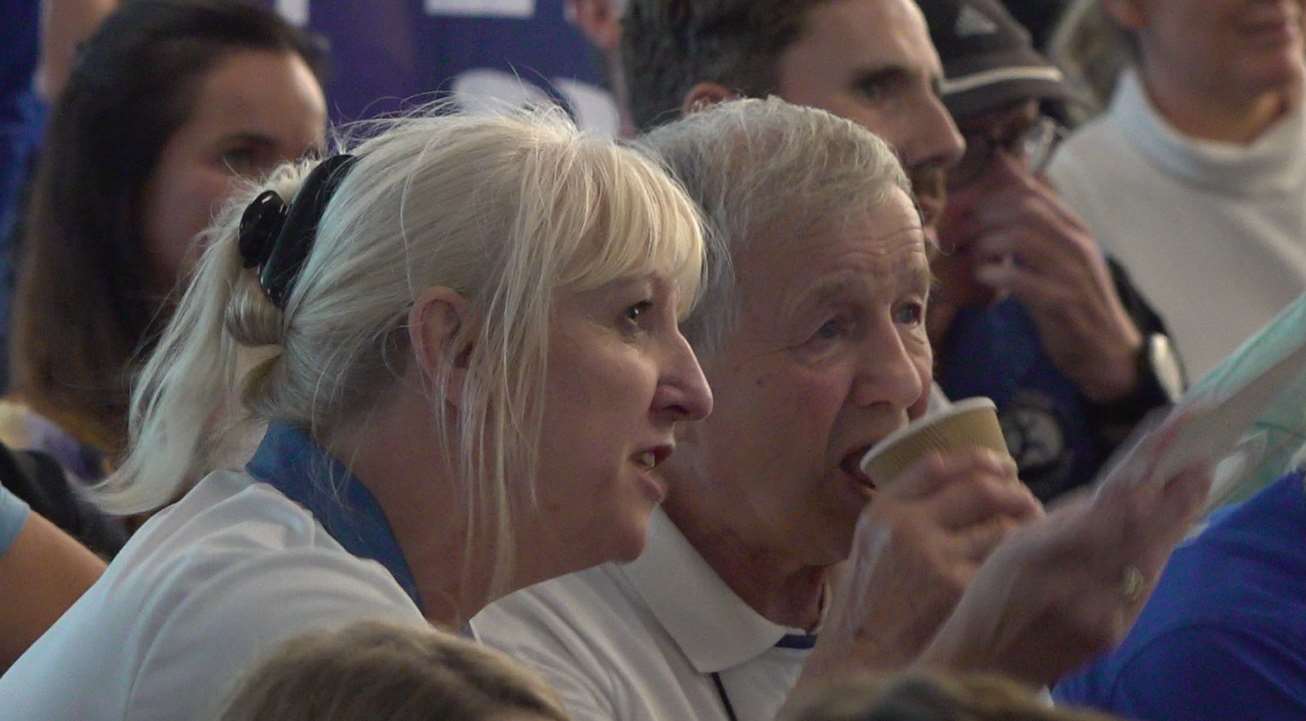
{"x":649,"y":639}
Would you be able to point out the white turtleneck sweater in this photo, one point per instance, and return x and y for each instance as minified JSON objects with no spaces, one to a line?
{"x":1213,"y":234}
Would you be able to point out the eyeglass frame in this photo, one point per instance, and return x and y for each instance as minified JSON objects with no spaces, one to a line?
{"x":1034,"y":146}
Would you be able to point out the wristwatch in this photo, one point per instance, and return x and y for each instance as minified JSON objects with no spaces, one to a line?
{"x":1159,"y":363}
{"x":1160,"y":383}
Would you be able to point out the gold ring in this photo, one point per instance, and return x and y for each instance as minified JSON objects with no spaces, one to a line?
{"x":1132,"y":583}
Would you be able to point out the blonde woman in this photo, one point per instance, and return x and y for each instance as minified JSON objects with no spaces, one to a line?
{"x":463,"y":337}
{"x":381,"y":672}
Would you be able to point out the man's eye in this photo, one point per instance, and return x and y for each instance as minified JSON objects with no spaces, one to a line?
{"x":831,"y":329}
{"x":909,"y":314}
{"x":873,"y":90}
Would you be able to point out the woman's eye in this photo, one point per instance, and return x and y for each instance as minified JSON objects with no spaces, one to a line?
{"x":635,"y":312}
{"x":241,"y":161}
{"x":909,"y":314}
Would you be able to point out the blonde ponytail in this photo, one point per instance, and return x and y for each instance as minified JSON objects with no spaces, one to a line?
{"x":186,"y":385}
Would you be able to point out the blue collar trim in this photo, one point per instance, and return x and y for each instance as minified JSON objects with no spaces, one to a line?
{"x":289,"y":461}
{"x":797,"y":640}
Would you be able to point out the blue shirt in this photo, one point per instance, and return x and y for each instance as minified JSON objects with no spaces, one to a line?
{"x":996,"y":351}
{"x":1224,"y":635}
{"x":13,"y":514}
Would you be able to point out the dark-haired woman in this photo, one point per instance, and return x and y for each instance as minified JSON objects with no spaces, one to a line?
{"x":167,"y":104}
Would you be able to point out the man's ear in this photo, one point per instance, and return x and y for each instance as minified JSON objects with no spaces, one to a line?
{"x":436,"y":325}
{"x":1128,"y":13}
{"x":704,"y":95}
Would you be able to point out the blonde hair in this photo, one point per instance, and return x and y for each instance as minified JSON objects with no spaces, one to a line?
{"x":504,"y":209}
{"x":375,"y":671}
{"x":931,"y":697}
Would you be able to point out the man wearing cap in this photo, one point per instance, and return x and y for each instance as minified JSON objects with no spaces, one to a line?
{"x":1027,"y":310}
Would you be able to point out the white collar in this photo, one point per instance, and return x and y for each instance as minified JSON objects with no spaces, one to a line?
{"x":713,"y":626}
{"x":1273,"y":162}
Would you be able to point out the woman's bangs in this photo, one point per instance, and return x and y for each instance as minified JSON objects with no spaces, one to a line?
{"x":640,"y":222}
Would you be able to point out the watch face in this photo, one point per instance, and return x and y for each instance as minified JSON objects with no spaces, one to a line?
{"x":1165,"y":366}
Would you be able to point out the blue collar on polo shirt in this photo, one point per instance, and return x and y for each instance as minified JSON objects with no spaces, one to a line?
{"x":289,"y":461}
{"x":712,"y":625}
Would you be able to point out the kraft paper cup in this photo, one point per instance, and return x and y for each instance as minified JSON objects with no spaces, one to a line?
{"x":966,"y":424}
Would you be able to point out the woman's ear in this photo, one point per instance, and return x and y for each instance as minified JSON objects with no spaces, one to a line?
{"x":1128,"y":13}
{"x":436,"y":328}
{"x":704,"y":95}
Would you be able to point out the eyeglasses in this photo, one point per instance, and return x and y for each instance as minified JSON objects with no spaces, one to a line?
{"x":1032,"y":145}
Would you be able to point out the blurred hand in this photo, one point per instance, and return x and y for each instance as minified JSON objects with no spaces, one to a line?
{"x":1030,"y":245}
{"x":1069,"y":586}
{"x":917,"y":546}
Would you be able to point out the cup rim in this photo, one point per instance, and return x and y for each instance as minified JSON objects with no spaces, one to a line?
{"x":954,"y":409}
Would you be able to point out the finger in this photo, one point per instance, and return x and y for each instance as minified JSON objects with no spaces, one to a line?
{"x":1139,"y":526}
{"x":1028,"y":248}
{"x":1031,"y":200}
{"x":982,"y":498}
{"x":1040,"y":291}
{"x":978,"y":541}
{"x":1058,"y":208}
{"x":1055,"y":240}
{"x":937,"y":470}
{"x":1140,"y":464}
{"x":1044,"y":247}
{"x":1172,"y":513}
{"x":1187,"y":492}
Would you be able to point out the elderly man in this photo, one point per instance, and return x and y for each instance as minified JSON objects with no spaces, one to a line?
{"x":873,"y":63}
{"x":812,"y":334}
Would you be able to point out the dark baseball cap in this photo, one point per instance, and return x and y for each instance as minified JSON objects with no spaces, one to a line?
{"x":988,"y":58}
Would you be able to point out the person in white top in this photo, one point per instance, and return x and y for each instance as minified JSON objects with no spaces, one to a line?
{"x":812,"y":335}
{"x":1194,"y":177}
{"x":463,"y":339}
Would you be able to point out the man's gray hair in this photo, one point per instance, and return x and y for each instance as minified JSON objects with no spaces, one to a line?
{"x":766,"y":169}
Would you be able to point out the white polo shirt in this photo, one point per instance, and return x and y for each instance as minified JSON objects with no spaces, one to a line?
{"x":205,"y":588}
{"x":642,"y":641}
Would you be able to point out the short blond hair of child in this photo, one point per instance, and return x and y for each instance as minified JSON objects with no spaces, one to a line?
{"x":373,"y":671}
{"x":931,"y":697}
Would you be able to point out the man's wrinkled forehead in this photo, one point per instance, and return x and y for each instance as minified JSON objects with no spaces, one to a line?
{"x":889,"y":242}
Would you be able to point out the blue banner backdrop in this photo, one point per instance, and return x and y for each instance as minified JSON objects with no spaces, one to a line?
{"x":480,"y":51}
